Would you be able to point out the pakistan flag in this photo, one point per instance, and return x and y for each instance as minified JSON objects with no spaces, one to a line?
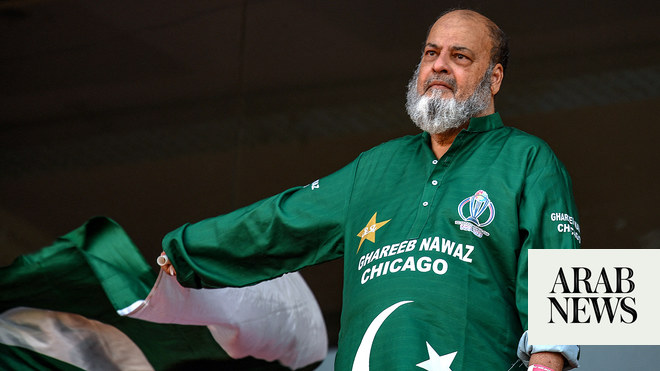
{"x":90,"y":301}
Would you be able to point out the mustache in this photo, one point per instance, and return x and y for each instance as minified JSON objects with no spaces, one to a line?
{"x":436,"y":78}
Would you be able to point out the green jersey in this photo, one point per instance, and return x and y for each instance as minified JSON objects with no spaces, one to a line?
{"x":435,"y":250}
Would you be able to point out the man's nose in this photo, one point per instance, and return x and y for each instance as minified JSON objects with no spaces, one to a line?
{"x":441,"y":65}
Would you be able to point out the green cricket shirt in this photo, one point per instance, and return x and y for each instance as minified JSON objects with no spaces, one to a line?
{"x":435,"y":250}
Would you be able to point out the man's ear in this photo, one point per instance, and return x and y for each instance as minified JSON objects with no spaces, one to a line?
{"x":496,"y":79}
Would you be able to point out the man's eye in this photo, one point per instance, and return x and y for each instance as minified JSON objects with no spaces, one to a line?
{"x":430,"y":53}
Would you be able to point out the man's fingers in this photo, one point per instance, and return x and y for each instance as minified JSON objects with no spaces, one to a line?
{"x":169,"y":269}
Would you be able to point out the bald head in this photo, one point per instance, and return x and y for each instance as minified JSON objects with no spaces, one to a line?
{"x":499,"y":50}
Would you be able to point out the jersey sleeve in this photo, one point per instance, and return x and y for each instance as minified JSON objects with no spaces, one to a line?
{"x":547,"y":217}
{"x":299,"y":227}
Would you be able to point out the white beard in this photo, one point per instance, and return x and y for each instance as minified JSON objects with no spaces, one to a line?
{"x":434,"y":114}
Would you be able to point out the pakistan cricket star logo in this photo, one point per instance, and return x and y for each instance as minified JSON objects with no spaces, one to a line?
{"x":478,"y":204}
{"x":369,"y":231}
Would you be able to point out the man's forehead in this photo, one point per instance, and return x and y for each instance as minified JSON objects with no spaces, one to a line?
{"x":461,"y":28}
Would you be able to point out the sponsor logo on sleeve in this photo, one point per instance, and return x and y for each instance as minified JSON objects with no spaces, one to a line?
{"x":567,"y":224}
{"x":314,"y":184}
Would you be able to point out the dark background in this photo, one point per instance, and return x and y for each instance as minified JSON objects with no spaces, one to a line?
{"x":159,"y":113}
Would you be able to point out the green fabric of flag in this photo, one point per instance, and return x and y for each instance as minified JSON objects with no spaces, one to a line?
{"x":85,"y":276}
{"x":15,"y":358}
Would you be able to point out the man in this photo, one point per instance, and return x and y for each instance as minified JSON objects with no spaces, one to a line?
{"x":434,"y":229}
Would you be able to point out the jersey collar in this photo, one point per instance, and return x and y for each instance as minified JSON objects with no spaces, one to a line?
{"x":476,"y":125}
{"x":485,"y":123}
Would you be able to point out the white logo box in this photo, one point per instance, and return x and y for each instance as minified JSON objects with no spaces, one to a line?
{"x":627,"y":279}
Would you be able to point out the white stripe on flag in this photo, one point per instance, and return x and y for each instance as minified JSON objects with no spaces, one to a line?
{"x":277,"y":319}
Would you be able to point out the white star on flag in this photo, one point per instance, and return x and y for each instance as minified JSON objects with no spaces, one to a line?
{"x":435,"y":362}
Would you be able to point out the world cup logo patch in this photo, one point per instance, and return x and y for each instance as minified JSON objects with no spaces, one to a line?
{"x":476,"y":206}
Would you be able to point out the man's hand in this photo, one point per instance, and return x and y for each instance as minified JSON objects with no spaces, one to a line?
{"x":554,"y":361}
{"x":165,"y":264}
